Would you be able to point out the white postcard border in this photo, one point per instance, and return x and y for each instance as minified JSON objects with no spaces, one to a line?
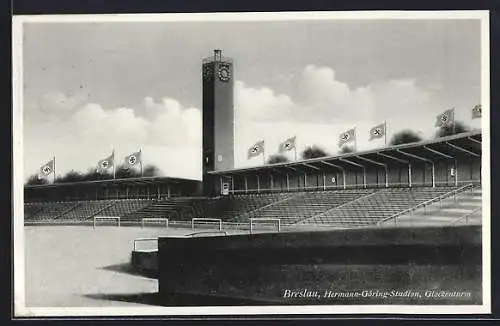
{"x":20,"y":310}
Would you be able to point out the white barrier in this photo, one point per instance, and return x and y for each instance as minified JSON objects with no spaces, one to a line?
{"x":263,"y":219}
{"x":106,"y":218}
{"x":157,"y":220}
{"x":204,"y":219}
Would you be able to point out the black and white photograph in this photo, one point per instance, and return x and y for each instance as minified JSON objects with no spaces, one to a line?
{"x":251,"y":164}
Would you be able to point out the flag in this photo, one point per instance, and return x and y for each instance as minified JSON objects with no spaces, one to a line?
{"x":133,"y":159}
{"x":256,"y":149}
{"x":47,"y":168}
{"x":346,"y":137}
{"x":287,"y":145}
{"x":107,"y":163}
{"x":476,"y":111}
{"x":445,"y":118}
{"x":377,"y":131}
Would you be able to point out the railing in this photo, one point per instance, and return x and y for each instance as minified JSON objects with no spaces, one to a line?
{"x":465,"y":217}
{"x":336,"y":207}
{"x":425,"y":203}
{"x":66,"y":211}
{"x":320,"y":187}
{"x":246,"y":214}
{"x":102,"y":209}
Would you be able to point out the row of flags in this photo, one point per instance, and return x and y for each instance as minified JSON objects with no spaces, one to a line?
{"x":103,"y":165}
{"x":446,"y":118}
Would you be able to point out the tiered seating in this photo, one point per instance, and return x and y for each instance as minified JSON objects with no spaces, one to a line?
{"x":376,"y":207}
{"x":51,"y":211}
{"x":54,"y":210}
{"x":230,"y":208}
{"x":338,"y":208}
{"x":173,"y":208}
{"x":464,"y":208}
{"x":31,"y":209}
{"x":306,"y":204}
{"x":123,"y":208}
{"x":86,"y":210}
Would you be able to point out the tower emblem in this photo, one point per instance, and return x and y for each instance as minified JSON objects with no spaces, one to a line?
{"x":224,"y":72}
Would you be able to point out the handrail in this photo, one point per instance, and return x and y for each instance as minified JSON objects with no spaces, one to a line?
{"x":465,"y":216}
{"x":102,"y":209}
{"x":334,"y":208}
{"x":425,"y":203}
{"x":66,"y":211}
{"x":265,"y":206}
{"x":347,"y":187}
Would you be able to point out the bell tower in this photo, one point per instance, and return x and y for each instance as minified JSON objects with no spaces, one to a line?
{"x":218,"y":116}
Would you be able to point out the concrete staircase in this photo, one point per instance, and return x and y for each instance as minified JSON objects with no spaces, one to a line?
{"x":463,"y":208}
{"x":371,"y":209}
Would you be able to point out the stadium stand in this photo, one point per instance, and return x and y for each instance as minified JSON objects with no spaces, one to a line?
{"x":229,"y":208}
{"x":86,"y":210}
{"x":31,"y":209}
{"x":464,"y":208}
{"x":337,"y":208}
{"x":304,"y":205}
{"x":175,"y":208}
{"x":50,"y":211}
{"x":380,"y":205}
{"x":123,"y":208}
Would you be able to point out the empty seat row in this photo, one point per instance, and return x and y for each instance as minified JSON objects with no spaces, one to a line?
{"x":377,"y":206}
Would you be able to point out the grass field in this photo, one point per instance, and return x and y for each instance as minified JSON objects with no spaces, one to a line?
{"x":77,"y":266}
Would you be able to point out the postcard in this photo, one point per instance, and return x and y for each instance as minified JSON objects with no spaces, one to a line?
{"x":251,"y":164}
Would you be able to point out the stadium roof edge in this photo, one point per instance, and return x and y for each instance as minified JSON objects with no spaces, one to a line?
{"x":141,"y":180}
{"x":354,"y":154}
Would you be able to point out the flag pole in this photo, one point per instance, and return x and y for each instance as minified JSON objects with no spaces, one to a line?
{"x":263,"y":153}
{"x":54,"y":175}
{"x":355,"y":141}
{"x":385,"y":133}
{"x":453,"y":126}
{"x":140,"y":161}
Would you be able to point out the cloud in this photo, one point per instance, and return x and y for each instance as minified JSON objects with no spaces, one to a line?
{"x":315,"y":106}
{"x":80,"y":133}
{"x":261,"y":103}
{"x":93,"y":123}
{"x":318,"y":96}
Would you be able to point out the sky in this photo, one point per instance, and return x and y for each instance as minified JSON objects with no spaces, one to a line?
{"x":89,"y":88}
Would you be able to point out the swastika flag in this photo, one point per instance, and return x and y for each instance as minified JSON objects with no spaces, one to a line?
{"x":346,"y":137}
{"x":256,"y":149}
{"x":377,"y":131}
{"x":47,"y":168}
{"x":107,"y":163}
{"x":445,"y":118}
{"x":288,"y":144}
{"x":476,"y":111}
{"x":133,"y":158}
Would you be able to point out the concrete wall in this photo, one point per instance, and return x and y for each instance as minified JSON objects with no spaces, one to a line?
{"x":261,"y":267}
